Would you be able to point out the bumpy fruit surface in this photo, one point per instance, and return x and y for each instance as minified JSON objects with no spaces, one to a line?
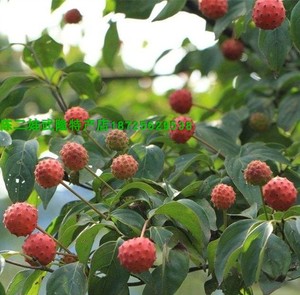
{"x":20,"y":218}
{"x":49,"y":173}
{"x":183,"y":129}
{"x":279,"y":193}
{"x":213,"y":9}
{"x":72,"y":16}
{"x":124,"y":166}
{"x":223,"y":196}
{"x":232,"y":49}
{"x":74,"y":156}
{"x":116,"y":140}
{"x":259,"y":122}
{"x":137,"y":255}
{"x":40,"y":247}
{"x":181,"y":101}
{"x":268,"y":14}
{"x":257,"y":173}
{"x":76,"y":114}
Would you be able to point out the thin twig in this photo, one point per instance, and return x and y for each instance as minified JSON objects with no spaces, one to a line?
{"x":29,"y":266}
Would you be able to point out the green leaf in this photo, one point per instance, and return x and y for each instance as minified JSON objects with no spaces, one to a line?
{"x":295,"y":23}
{"x":85,"y":240}
{"x":18,"y":163}
{"x":2,"y":290}
{"x":171,"y":8}
{"x":2,"y":264}
{"x":5,"y":139}
{"x":68,"y":279}
{"x":45,"y":194}
{"x":16,"y":285}
{"x":217,"y":140}
{"x":191,"y":216}
{"x":288,"y":112}
{"x":133,"y":185}
{"x":111,"y":45}
{"x":139,"y":9}
{"x":277,"y":258}
{"x":160,"y":236}
{"x":275,"y":44}
{"x":235,"y":10}
{"x":56,"y":4}
{"x":32,"y":284}
{"x":41,"y":55}
{"x":130,"y":218}
{"x":9,"y":84}
{"x":109,"y":113}
{"x":253,"y":252}
{"x":167,"y":278}
{"x":151,"y":160}
{"x":107,"y":276}
{"x":67,"y":230}
{"x":292,"y":234}
{"x":82,"y":85}
{"x":230,"y":246}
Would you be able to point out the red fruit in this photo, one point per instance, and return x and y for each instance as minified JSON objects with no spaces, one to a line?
{"x":137,"y":255}
{"x":181,"y":101}
{"x":213,"y":8}
{"x":49,"y":173}
{"x":76,"y":114}
{"x":74,"y":156}
{"x":20,"y":219}
{"x":232,"y":49}
{"x":279,"y":193}
{"x":116,"y":140}
{"x":124,"y":166}
{"x":257,"y":173}
{"x":72,"y":16}
{"x":268,"y":14}
{"x":183,"y":130}
{"x":223,"y":196}
{"x":40,"y":247}
{"x":259,"y":122}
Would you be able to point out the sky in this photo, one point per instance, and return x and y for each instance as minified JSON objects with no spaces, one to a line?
{"x":142,"y":41}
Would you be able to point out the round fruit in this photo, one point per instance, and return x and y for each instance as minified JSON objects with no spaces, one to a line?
{"x":259,"y":122}
{"x":40,"y":247}
{"x":232,"y":49}
{"x":49,"y":173}
{"x":257,"y":173}
{"x":183,"y":130}
{"x":213,"y":9}
{"x":124,"y":166}
{"x":74,"y":156}
{"x":268,"y":14}
{"x":181,"y":101}
{"x":20,"y":218}
{"x":117,"y":140}
{"x":223,"y":196}
{"x":137,"y":255}
{"x":279,"y":193}
{"x":76,"y":116}
{"x":73,"y":16}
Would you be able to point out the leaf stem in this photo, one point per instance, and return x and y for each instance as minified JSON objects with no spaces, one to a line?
{"x":29,"y":266}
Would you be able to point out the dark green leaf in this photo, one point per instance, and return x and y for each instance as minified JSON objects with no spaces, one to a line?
{"x":18,"y":163}
{"x":9,"y":84}
{"x":68,"y":279}
{"x":56,"y":4}
{"x":160,"y":236}
{"x":151,"y":160}
{"x":111,"y":45}
{"x":109,"y":113}
{"x":45,"y":194}
{"x":139,"y":9}
{"x":32,"y":284}
{"x":253,"y":252}
{"x":289,"y":112}
{"x":295,"y":23}
{"x":5,"y":139}
{"x":167,"y":278}
{"x":230,"y":246}
{"x":16,"y":285}
{"x":2,"y":290}
{"x":275,"y":44}
{"x":107,"y":276}
{"x":171,"y":8}
{"x":85,"y":240}
{"x":292,"y":234}
{"x":82,"y":85}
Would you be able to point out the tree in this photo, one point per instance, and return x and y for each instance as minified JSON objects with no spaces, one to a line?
{"x":163,"y":182}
